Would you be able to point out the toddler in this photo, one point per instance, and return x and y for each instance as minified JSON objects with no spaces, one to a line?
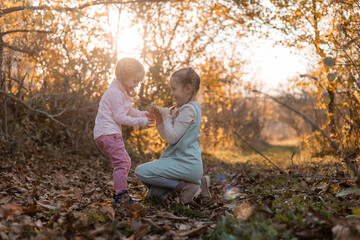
{"x":115,"y":109}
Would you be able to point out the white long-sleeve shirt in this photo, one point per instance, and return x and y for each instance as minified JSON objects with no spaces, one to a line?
{"x":172,"y":130}
{"x":115,"y":109}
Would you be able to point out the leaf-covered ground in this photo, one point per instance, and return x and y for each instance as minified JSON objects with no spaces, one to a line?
{"x":45,"y":197}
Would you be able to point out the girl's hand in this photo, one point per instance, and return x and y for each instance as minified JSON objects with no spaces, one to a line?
{"x":158,"y":116}
{"x":152,"y":107}
{"x":164,"y":111}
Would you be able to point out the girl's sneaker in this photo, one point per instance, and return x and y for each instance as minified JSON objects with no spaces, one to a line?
{"x":122,"y":198}
{"x":188,"y":191}
{"x":205,"y":183}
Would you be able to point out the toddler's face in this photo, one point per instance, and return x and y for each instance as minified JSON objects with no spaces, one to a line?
{"x":179,"y":92}
{"x":131,"y":82}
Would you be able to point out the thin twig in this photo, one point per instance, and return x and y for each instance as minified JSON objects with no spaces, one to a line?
{"x":350,"y":59}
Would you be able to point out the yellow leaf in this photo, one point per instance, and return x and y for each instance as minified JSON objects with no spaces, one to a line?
{"x":357,"y":212}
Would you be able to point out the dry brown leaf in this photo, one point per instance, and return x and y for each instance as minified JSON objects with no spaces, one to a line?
{"x":5,"y":199}
{"x":310,"y":234}
{"x":77,"y":193}
{"x":141,"y":231}
{"x":47,"y":206}
{"x":182,"y":226}
{"x":136,"y":225}
{"x":263,"y":211}
{"x":194,"y":232}
{"x":16,"y":227}
{"x":12,"y":208}
{"x":4,"y":236}
{"x":61,"y":178}
{"x":243,"y":211}
{"x":101,"y":230}
{"x":109,"y":211}
{"x":171,"y":216}
{"x":346,"y":232}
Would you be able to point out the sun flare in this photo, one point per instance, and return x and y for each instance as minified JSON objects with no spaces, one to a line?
{"x":129,"y":40}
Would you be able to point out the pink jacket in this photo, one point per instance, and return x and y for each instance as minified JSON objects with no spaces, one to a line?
{"x":115,"y":109}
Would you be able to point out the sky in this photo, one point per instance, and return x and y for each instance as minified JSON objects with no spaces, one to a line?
{"x":271,"y":66}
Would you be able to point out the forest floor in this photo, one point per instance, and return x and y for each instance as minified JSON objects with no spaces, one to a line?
{"x":47,"y":197}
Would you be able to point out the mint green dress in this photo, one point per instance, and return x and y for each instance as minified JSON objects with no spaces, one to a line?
{"x":179,"y":161}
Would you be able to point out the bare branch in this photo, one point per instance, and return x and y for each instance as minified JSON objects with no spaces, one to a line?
{"x":17,"y":49}
{"x":350,"y":59}
{"x":25,"y":31}
{"x":71,"y":9}
{"x":51,"y":117}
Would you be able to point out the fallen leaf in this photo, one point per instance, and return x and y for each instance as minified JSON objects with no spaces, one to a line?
{"x":195,"y":232}
{"x":77,"y":193}
{"x":101,"y":230}
{"x":12,"y":208}
{"x":109,"y":211}
{"x":141,"y":231}
{"x":47,"y":206}
{"x":243,"y":211}
{"x":341,"y":232}
{"x":357,"y":212}
{"x":16,"y":227}
{"x":61,"y":178}
{"x":5,"y":199}
{"x":172,"y":216}
{"x":263,"y":212}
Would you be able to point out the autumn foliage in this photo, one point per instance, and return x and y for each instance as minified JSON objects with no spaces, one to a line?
{"x":56,"y":61}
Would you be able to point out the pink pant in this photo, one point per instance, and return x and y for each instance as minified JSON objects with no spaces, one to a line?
{"x":113,"y":146}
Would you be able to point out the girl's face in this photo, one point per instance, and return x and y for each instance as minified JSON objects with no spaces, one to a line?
{"x":179,"y":92}
{"x":131,"y":82}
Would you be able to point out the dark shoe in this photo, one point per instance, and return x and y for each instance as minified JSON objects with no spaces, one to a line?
{"x":122,"y":198}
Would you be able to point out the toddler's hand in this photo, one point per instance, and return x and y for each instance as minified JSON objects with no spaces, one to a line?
{"x":158,"y":116}
{"x":151,"y":120}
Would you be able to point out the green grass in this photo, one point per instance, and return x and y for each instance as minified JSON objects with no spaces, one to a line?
{"x":185,"y":211}
{"x":95,"y":215}
{"x":177,"y":208}
{"x":282,"y":154}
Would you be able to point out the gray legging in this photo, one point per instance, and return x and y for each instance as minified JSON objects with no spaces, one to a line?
{"x":158,"y":185}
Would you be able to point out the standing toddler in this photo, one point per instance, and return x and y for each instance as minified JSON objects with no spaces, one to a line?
{"x":115,"y":109}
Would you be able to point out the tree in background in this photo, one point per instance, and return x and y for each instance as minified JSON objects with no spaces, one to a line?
{"x":179,"y":35}
{"x":330,"y":28}
{"x":57,"y":58}
{"x":52,"y":73}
